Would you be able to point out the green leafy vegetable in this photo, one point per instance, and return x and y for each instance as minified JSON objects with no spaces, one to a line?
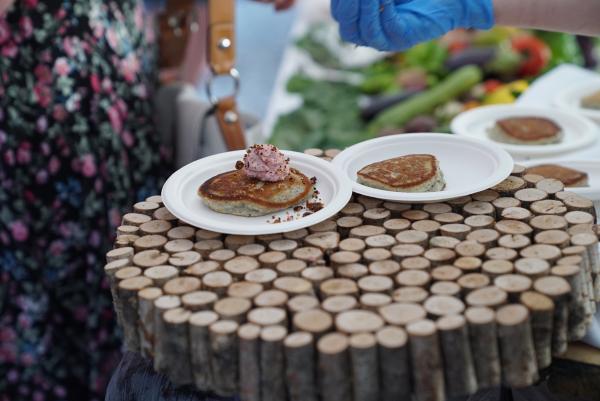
{"x":329,"y":116}
{"x":317,"y":50}
{"x":431,"y":56}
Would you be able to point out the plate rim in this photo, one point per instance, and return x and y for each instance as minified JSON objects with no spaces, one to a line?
{"x":423,"y":197}
{"x":559,"y":99}
{"x":340,"y":198}
{"x":590,"y":135}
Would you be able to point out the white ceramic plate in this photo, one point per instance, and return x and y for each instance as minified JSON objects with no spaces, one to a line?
{"x":469,"y":165}
{"x":579,"y":132}
{"x":591,"y":167}
{"x":179,"y":195}
{"x":570,"y":99}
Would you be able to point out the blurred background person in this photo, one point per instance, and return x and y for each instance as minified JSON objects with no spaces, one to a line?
{"x":77,"y":148}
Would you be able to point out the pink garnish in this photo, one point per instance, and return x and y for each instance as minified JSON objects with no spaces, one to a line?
{"x":266,"y":163}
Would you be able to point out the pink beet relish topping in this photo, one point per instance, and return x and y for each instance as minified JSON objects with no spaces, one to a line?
{"x":266,"y":163}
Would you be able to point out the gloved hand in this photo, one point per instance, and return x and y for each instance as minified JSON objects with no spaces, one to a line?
{"x":400,"y":24}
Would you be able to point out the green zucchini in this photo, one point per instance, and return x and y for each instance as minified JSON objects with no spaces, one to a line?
{"x":455,"y":84}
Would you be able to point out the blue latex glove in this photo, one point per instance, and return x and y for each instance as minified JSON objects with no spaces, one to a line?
{"x":400,"y":24}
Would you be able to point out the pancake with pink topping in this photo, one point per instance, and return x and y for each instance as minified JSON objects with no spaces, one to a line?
{"x":262,"y":184}
{"x":266,"y":163}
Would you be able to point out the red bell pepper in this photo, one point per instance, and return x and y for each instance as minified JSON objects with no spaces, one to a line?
{"x":535,"y":52}
{"x":491,"y":85}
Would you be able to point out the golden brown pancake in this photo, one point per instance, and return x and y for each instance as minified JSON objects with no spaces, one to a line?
{"x":591,"y":101}
{"x":235,"y":193}
{"x":411,"y":173}
{"x":568,"y":176}
{"x":526,"y":130}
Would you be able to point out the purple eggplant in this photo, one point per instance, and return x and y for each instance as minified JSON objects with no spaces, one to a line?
{"x":586,"y":45}
{"x":421,"y":124}
{"x":479,"y":56}
{"x":372,"y":106}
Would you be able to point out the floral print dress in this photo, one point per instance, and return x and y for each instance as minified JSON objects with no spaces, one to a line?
{"x":77,"y":147}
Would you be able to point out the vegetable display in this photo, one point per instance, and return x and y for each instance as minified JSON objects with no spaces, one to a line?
{"x":419,"y":90}
{"x":455,"y":84}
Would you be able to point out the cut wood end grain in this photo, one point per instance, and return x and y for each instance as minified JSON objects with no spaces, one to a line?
{"x":176,"y":316}
{"x":358,"y":321}
{"x":128,"y":272}
{"x":224,"y":327}
{"x":150,"y":293}
{"x":401,"y":314}
{"x":182,"y":285}
{"x":301,"y":303}
{"x":511,"y":315}
{"x":333,"y":343}
{"x":480,"y":315}
{"x":298,"y":339}
{"x":536,"y":301}
{"x":232,"y":308}
{"x":391,"y":337}
{"x":362,"y":341}
{"x":339,"y":303}
{"x":452,"y":322}
{"x":244,"y":289}
{"x":197,"y":299}
{"x":513,"y":283}
{"x":271,"y":298}
{"x":410,"y":294}
{"x":421,"y":328}
{"x":487,"y":296}
{"x":184,"y":259}
{"x":374,"y":300}
{"x":249,"y":332}
{"x":135,"y":283}
{"x":167,"y":302}
{"x":273,"y":333}
{"x":552,"y":286}
{"x":266,"y":316}
{"x":441,"y":305}
{"x":313,"y":321}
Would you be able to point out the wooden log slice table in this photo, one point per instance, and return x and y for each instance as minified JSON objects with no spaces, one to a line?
{"x":383,"y":301}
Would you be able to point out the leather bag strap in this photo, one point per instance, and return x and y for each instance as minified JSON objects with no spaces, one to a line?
{"x":221,"y":36}
{"x":229,"y":122}
{"x":221,"y":56}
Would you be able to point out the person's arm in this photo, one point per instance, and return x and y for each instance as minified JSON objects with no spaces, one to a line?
{"x":580,"y":17}
{"x":398,"y":25}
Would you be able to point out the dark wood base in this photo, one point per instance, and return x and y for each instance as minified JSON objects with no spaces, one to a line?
{"x":136,"y":380}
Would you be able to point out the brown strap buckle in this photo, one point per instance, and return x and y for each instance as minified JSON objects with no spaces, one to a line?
{"x":221,"y":51}
{"x":234,"y":75}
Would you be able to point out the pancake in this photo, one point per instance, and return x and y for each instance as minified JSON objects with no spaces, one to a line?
{"x":235,"y":193}
{"x":591,"y":101}
{"x":568,"y":176}
{"x":526,"y":131}
{"x":411,"y":173}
